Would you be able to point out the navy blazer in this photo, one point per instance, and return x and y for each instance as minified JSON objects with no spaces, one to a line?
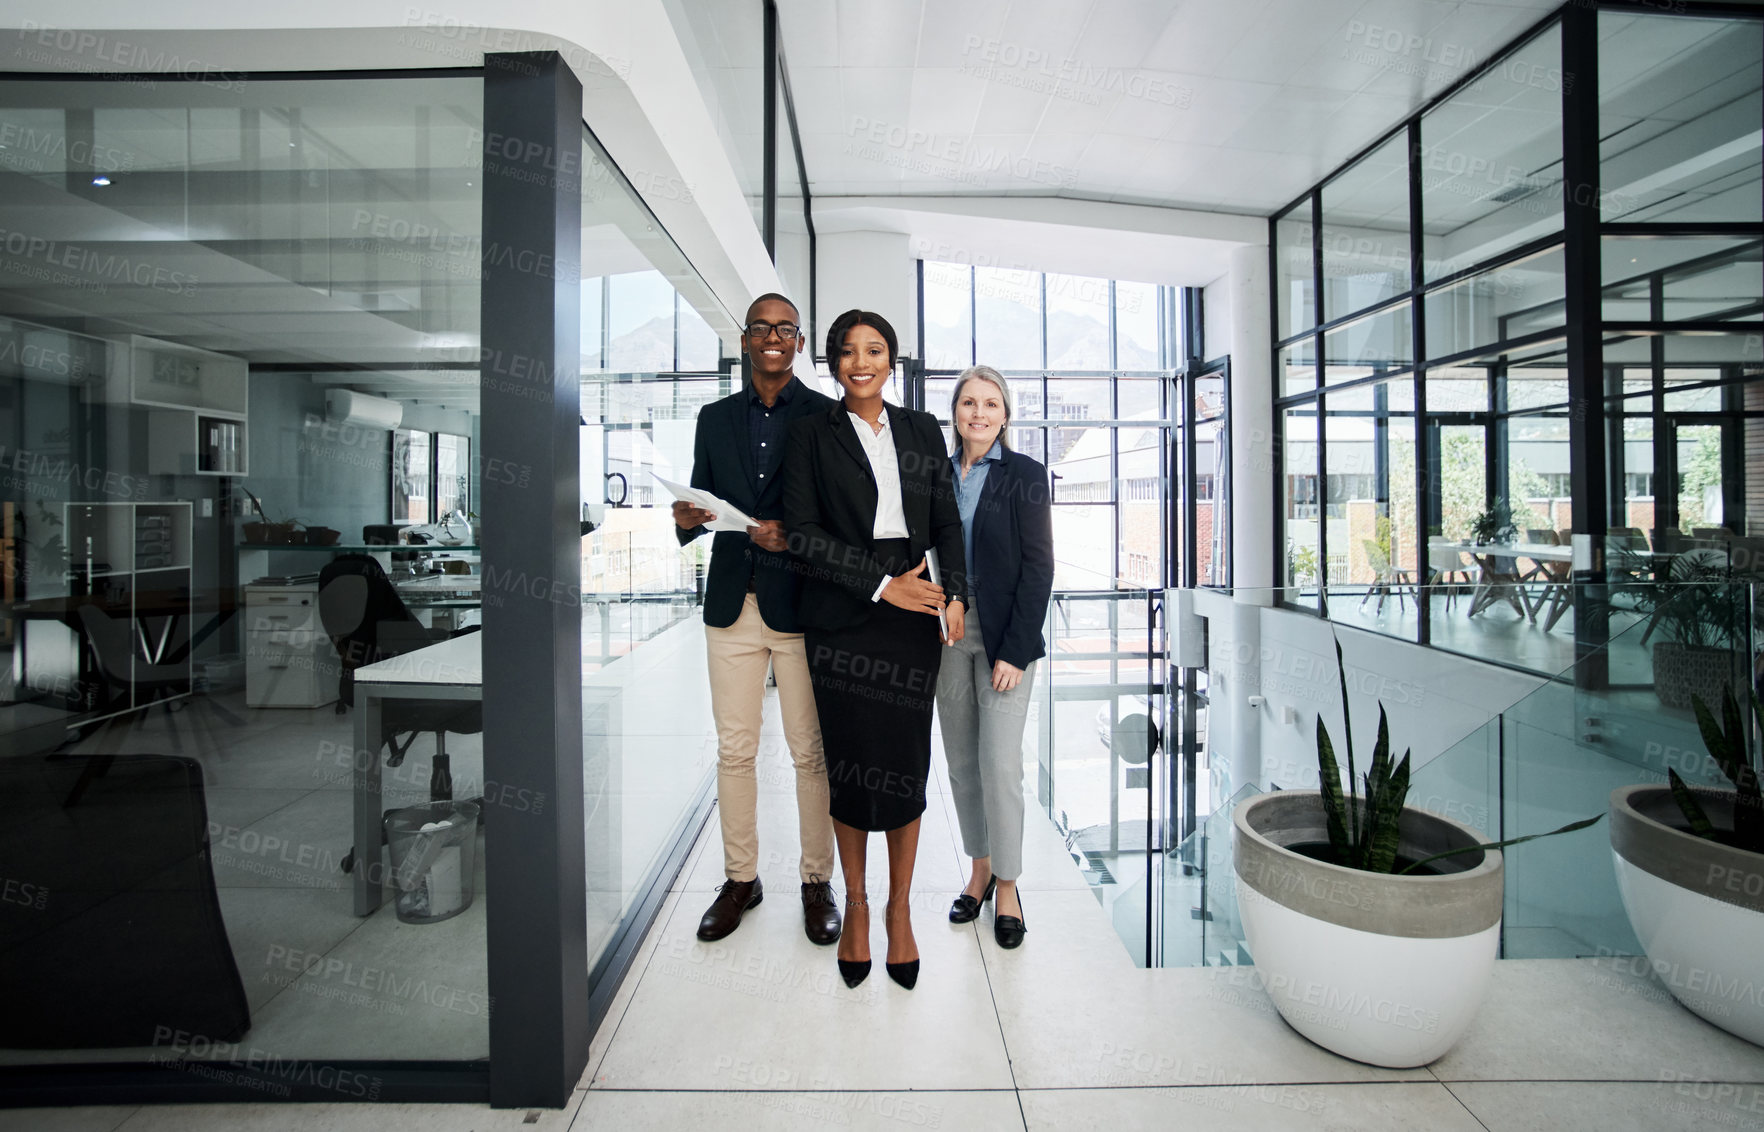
{"x":722,"y":464}
{"x":1013,"y":557}
{"x":830,"y":511}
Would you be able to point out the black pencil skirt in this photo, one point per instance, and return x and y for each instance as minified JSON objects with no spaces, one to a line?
{"x":875,"y":686}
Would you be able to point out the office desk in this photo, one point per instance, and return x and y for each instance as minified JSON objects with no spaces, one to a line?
{"x":442,"y":584}
{"x":450,"y":670}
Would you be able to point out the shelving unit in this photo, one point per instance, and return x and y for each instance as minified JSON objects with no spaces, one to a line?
{"x":129,"y":576}
{"x":200,"y":403}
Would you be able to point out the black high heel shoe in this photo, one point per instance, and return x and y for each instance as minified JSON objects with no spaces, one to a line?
{"x":906,"y":974}
{"x":965,"y":908}
{"x":854,"y":971}
{"x":1009,"y":930}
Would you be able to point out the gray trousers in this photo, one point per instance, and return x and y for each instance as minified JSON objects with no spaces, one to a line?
{"x":983,"y":741}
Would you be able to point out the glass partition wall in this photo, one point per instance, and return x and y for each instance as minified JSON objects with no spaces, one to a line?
{"x":241,"y":386}
{"x":211,"y":338}
{"x":1431,"y":428}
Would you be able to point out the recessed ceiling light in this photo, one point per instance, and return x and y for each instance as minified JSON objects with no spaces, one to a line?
{"x":101,"y":180}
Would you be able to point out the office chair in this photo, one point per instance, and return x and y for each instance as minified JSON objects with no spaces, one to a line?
{"x":126,"y":673}
{"x":130,"y":939}
{"x":368,"y":622}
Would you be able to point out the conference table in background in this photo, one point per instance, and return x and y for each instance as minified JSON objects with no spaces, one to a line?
{"x":1494,"y":582}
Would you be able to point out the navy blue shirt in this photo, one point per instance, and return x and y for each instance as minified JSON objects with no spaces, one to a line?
{"x":765,"y":431}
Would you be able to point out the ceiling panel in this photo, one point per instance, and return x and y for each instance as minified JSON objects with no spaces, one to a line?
{"x":1165,"y":93}
{"x":877,"y":35}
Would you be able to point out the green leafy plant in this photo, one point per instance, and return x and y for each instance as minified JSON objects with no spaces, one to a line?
{"x":1694,"y":602}
{"x":1365,"y":834}
{"x":1301,"y":564}
{"x":1495,"y":524}
{"x":1731,"y":748}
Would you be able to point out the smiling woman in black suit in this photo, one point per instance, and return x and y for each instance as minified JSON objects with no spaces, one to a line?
{"x":867,"y":491}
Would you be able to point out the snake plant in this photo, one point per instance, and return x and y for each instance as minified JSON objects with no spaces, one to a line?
{"x":1364,"y":834}
{"x":1731,"y":749}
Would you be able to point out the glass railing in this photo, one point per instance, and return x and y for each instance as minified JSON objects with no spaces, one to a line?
{"x":1549,"y":751}
{"x":1514,"y":603}
{"x":1620,"y":715}
{"x":1200,"y":924}
{"x":1093,"y":774}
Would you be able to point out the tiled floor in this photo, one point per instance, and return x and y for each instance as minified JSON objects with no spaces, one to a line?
{"x":759,"y":1032}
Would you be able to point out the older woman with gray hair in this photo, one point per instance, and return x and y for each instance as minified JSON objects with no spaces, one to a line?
{"x":984,"y":683}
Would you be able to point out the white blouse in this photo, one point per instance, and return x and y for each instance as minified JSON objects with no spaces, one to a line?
{"x":885,"y":466}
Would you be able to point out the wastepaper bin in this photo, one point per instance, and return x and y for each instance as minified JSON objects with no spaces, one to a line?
{"x":433,"y":848}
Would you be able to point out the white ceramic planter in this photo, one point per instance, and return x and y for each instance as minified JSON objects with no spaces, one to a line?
{"x":1697,"y":906}
{"x":1389,"y":970}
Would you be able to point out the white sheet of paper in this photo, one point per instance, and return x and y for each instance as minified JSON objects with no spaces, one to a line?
{"x":935,"y":576}
{"x":728,"y":516}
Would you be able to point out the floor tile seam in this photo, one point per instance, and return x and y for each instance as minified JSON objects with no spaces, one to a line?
{"x":1311,"y":1084}
{"x":1448,"y":1081}
{"x":998,"y":1019}
{"x":293,"y":984}
{"x":657,"y":929}
{"x":130,"y":1115}
{"x":265,"y":817}
{"x":1462,"y":1104}
{"x":805,"y":1092}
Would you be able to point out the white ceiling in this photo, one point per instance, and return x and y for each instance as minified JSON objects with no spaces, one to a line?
{"x":1226,"y":105}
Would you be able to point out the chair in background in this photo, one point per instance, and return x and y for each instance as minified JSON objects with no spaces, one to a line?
{"x":368,"y":622}
{"x":1387,"y":580}
{"x":126,"y":937}
{"x":1557,"y":591}
{"x":132,"y":679}
{"x":1447,"y":569}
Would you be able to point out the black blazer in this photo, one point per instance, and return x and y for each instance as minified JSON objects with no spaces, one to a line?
{"x":1013,"y":555}
{"x":722,"y":464}
{"x":830,"y":511}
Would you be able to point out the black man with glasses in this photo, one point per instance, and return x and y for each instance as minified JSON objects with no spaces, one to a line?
{"x":750,"y":620}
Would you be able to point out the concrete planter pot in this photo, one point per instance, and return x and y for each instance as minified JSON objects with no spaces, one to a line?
{"x":1388,"y":970}
{"x":1696,"y":905}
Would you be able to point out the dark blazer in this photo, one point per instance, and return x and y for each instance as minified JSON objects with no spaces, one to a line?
{"x":1013,"y":555}
{"x":830,"y":511}
{"x":722,"y":464}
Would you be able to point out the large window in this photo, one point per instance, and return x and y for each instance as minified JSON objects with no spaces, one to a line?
{"x":1436,"y":358}
{"x":1100,"y":373}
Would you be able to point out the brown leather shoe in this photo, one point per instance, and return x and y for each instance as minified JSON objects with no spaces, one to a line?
{"x":724,"y":914}
{"x":820,"y":914}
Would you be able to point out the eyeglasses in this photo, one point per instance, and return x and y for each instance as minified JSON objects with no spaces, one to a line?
{"x":758,"y":331}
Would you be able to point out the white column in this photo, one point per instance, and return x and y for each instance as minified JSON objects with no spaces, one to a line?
{"x":1252,"y":427}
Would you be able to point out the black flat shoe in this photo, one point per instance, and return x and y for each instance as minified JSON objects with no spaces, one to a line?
{"x":1009,"y":930}
{"x":964,"y":908}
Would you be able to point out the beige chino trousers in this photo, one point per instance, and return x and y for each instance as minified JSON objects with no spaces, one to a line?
{"x":738,"y":656}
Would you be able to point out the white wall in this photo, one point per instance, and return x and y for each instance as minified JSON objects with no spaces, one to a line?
{"x":873,"y":271}
{"x":1432,"y":698}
